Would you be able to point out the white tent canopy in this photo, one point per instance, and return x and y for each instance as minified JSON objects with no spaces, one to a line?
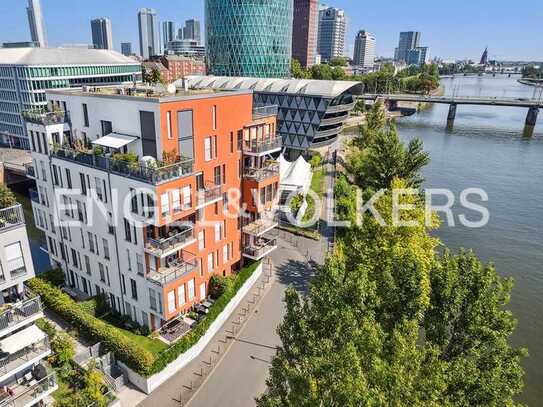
{"x":22,"y":339}
{"x":295,"y":176}
{"x":115,"y":140}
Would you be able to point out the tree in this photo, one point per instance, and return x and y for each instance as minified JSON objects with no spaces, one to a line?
{"x":63,"y":348}
{"x":296,"y":70}
{"x":156,"y":76}
{"x":322,"y":71}
{"x":388,"y":322}
{"x":7,"y":198}
{"x":338,"y":61}
{"x":338,"y":74}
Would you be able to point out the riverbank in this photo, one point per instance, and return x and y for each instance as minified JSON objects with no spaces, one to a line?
{"x":537,"y":83}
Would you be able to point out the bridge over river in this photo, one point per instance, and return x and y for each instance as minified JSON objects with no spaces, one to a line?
{"x":533,"y":105}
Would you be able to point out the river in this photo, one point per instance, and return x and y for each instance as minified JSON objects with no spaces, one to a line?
{"x":485,"y":149}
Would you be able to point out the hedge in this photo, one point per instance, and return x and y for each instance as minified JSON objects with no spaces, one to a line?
{"x":133,"y":355}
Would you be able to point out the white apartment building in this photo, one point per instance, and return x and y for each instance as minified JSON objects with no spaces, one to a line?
{"x":26,"y":73}
{"x":364,"y":50}
{"x":99,"y":215}
{"x":25,"y":377}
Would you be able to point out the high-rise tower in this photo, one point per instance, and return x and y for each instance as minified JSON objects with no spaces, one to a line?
{"x":148,"y":32}
{"x":35,"y":23}
{"x":304,"y":31}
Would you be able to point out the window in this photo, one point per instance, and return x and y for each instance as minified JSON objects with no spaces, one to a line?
{"x":171,"y":301}
{"x":68,"y":179}
{"x":99,"y":192}
{"x":43,"y":173}
{"x":176,"y":200}
{"x":139,"y":261}
{"x":134,"y":289}
{"x":187,"y":201}
{"x":190,"y":288}
{"x":129,"y":260}
{"x":169,"y":124}
{"x":133,"y":201}
{"x":74,"y":258}
{"x":201,"y":240}
{"x":202,"y":291}
{"x":87,"y":265}
{"x":83,"y":183}
{"x":123,"y":284}
{"x":91,"y":242}
{"x":214,"y":118}
{"x":207,"y":149}
{"x":225,"y":254}
{"x":217,"y":175}
{"x":127,"y":234}
{"x":165,"y":204}
{"x":215,"y":147}
{"x":218,"y":232}
{"x":152,"y":299}
{"x":106,"y":248}
{"x":85,"y":115}
{"x":181,"y":295}
{"x":15,"y":259}
{"x":231,"y":142}
{"x":210,"y":262}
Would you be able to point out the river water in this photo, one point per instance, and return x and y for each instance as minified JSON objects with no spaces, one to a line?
{"x":486,"y":149}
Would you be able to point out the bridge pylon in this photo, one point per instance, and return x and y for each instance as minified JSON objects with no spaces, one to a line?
{"x":531,"y":120}
{"x":451,"y":115}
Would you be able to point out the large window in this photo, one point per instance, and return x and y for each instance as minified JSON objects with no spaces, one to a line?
{"x":185,"y":133}
{"x":15,"y":260}
{"x":85,"y":115}
{"x":190,"y":287}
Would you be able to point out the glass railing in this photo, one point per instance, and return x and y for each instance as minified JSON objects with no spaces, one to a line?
{"x":46,"y":118}
{"x":208,"y":194}
{"x":25,"y":396}
{"x":261,"y":146}
{"x":166,"y":243}
{"x":261,"y":174}
{"x":11,"y":216}
{"x":10,"y":362}
{"x":259,"y":226}
{"x":148,"y":174}
{"x":175,"y":270}
{"x":259,"y":250}
{"x":260,"y":112}
{"x":15,"y":313}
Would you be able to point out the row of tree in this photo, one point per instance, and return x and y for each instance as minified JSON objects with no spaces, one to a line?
{"x":531,"y":72}
{"x":412,"y":79}
{"x":388,"y":321}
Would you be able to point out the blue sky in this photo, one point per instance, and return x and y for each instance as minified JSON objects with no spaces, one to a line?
{"x":512,"y":29}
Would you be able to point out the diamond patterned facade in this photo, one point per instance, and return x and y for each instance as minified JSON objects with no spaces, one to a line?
{"x":249,"y":37}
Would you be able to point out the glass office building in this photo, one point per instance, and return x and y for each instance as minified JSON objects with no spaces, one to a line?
{"x":249,"y":37}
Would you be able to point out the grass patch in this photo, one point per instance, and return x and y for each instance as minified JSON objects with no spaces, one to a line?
{"x":317,"y":182}
{"x":33,"y":232}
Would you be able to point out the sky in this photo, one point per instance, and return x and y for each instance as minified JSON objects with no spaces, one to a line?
{"x":458,"y":29}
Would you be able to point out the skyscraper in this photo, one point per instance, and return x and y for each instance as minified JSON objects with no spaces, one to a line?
{"x":101,"y":33}
{"x":364,"y":49}
{"x":126,"y":48}
{"x":304,"y":31}
{"x":332,"y":25}
{"x":35,"y":23}
{"x":484,"y":57}
{"x":248,"y":38}
{"x":168,"y":33}
{"x":192,"y":31}
{"x":408,"y":40}
{"x":418,"y":56}
{"x":148,"y":32}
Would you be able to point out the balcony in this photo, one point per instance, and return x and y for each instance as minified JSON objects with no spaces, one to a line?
{"x":13,"y":363}
{"x":137,"y":171}
{"x":260,"y":248}
{"x":209,"y":195}
{"x":178,"y":238}
{"x":11,"y":217}
{"x":30,"y":172}
{"x":261,"y":174}
{"x":24,"y":395}
{"x":259,"y":227}
{"x":46,"y":118}
{"x":340,"y":108}
{"x":20,"y":313}
{"x":174,"y":271}
{"x":328,"y":121}
{"x":260,"y":112}
{"x":328,"y":132}
{"x":269,"y":144}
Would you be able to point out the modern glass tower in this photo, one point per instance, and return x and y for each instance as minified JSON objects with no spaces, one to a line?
{"x":249,"y":38}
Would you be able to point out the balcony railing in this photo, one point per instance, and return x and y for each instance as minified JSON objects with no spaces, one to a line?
{"x":11,"y":217}
{"x":270,"y":143}
{"x":260,"y":112}
{"x":13,"y":361}
{"x":171,"y":242}
{"x":46,"y":118}
{"x":259,"y":250}
{"x":19,"y":312}
{"x":175,"y":270}
{"x":261,"y":174}
{"x":340,"y":108}
{"x":328,"y":132}
{"x":208,"y":194}
{"x":328,"y":121}
{"x":259,"y":226}
{"x":26,"y":396}
{"x":137,"y":171}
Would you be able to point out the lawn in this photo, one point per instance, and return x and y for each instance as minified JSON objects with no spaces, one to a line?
{"x":317,"y":181}
{"x":33,"y":232}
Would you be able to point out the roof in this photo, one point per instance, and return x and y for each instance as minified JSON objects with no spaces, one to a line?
{"x":295,"y":175}
{"x":62,"y":56}
{"x":22,"y":339}
{"x":313,"y":87}
{"x":153,"y":64}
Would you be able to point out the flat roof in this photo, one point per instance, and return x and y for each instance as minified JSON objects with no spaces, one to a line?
{"x":310,"y":87}
{"x":62,"y":57}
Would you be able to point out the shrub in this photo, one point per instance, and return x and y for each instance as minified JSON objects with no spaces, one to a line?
{"x":55,"y":277}
{"x":7,"y":198}
{"x":218,"y":285}
{"x":315,"y":160}
{"x":47,"y":327}
{"x":63,"y":348}
{"x":129,"y":352}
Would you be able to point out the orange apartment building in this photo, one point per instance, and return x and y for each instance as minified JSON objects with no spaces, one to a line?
{"x":201,"y":155}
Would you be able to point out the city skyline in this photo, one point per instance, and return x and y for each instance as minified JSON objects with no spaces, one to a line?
{"x":383,"y":22}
